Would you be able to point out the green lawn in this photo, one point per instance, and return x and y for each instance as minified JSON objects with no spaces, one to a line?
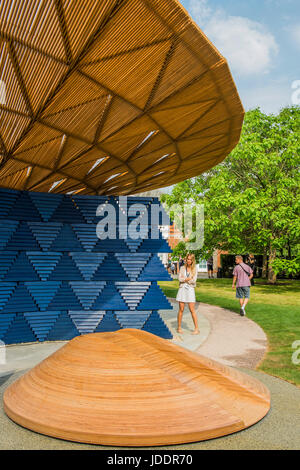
{"x":275,"y":308}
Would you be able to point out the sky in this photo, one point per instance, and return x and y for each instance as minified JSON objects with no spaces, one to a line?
{"x":261,"y":41}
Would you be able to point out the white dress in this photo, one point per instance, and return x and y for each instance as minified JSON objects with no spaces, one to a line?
{"x":186,"y":292}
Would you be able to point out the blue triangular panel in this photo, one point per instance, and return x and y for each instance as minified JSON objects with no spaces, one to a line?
{"x":87,"y":292}
{"x":133,"y":245}
{"x":46,"y":204}
{"x":109,"y":299}
{"x":19,"y":331}
{"x":133,"y":292}
{"x":66,"y":240}
{"x":7,"y":229}
{"x":45,"y":233}
{"x":7,"y":258}
{"x":67,"y":212}
{"x":41,"y":323}
{"x":44,"y":263}
{"x":87,"y":235}
{"x":88,"y":206}
{"x":110,"y":245}
{"x":154,"y":299}
{"x":154,"y":271}
{"x":22,"y":270}
{"x":63,"y":329}
{"x":132,"y":263}
{"x":88,"y":263}
{"x":8,"y":198}
{"x":109,"y":323}
{"x":155,"y":246}
{"x":20,"y":301}
{"x":132,"y":319}
{"x":86,"y":322}
{"x":65,"y":270}
{"x":64,"y":297}
{"x":24,"y":209}
{"x":156,"y":326}
{"x":22,"y":239}
{"x":110,"y":270}
{"x":6,"y":320}
{"x":6,"y":290}
{"x":43,"y":292}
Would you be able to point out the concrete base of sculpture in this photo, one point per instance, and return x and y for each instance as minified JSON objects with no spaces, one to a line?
{"x":131,"y":388}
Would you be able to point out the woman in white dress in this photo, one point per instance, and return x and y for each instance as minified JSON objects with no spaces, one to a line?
{"x":186,"y":292}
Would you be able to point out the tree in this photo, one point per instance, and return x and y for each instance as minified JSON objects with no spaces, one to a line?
{"x":252,"y":198}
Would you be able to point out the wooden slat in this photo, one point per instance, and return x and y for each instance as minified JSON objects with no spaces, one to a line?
{"x":100,"y":76}
{"x":131,"y":388}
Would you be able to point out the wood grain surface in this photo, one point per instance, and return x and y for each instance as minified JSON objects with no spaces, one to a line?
{"x":131,"y":388}
{"x":110,"y":97}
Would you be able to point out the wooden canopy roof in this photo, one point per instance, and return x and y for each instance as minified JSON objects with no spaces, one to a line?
{"x":110,"y":96}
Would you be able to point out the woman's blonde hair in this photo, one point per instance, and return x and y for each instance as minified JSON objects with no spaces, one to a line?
{"x":193,"y":265}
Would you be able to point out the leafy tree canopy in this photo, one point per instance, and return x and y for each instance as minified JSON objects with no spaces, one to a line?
{"x":252,"y":198}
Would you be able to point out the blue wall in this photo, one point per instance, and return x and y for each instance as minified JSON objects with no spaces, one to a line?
{"x":59,"y":280}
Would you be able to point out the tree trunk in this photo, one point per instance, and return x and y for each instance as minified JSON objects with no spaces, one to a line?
{"x":265,"y":265}
{"x":272,"y":278}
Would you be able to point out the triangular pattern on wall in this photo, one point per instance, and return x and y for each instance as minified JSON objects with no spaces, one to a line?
{"x":7,"y":229}
{"x":132,"y":319}
{"x":154,"y":299}
{"x":45,"y":233}
{"x":19,"y":331}
{"x":67,"y":212}
{"x":63,"y":329}
{"x":24,"y":209}
{"x":43,"y":263}
{"x":88,"y":263}
{"x":41,"y":324}
{"x":64,"y":296}
{"x":22,"y":269}
{"x":154,"y":271}
{"x":66,"y":240}
{"x":86,"y":234}
{"x":7,"y":258}
{"x":22,"y":239}
{"x":6,"y":320}
{"x":20,"y":301}
{"x":65,"y":270}
{"x":87,"y":292}
{"x":108,"y":323}
{"x":110,"y":298}
{"x":110,"y":269}
{"x":58,"y":280}
{"x":133,"y":264}
{"x":156,"y":326}
{"x":45,"y":205}
{"x":43,"y":293}
{"x":86,"y":322}
{"x":133,"y":293}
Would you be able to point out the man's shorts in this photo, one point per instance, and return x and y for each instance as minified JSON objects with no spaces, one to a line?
{"x":242,"y":292}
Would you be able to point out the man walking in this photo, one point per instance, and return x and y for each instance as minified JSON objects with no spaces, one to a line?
{"x":242,"y":275}
{"x":210,"y":267}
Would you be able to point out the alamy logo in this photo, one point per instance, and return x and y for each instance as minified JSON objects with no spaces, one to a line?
{"x":296,"y":354}
{"x":138,"y":221}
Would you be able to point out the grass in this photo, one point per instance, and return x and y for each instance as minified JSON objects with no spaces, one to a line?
{"x":276,"y":309}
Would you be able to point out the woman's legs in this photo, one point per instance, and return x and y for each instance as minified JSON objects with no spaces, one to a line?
{"x":195,"y":319}
{"x":179,"y":319}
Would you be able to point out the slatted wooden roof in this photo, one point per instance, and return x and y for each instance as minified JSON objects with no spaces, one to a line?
{"x":110,"y":96}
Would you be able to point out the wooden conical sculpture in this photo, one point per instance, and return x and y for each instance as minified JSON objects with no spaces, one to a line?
{"x":131,"y":388}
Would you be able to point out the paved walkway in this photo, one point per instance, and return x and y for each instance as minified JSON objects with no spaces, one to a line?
{"x":225,"y":336}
